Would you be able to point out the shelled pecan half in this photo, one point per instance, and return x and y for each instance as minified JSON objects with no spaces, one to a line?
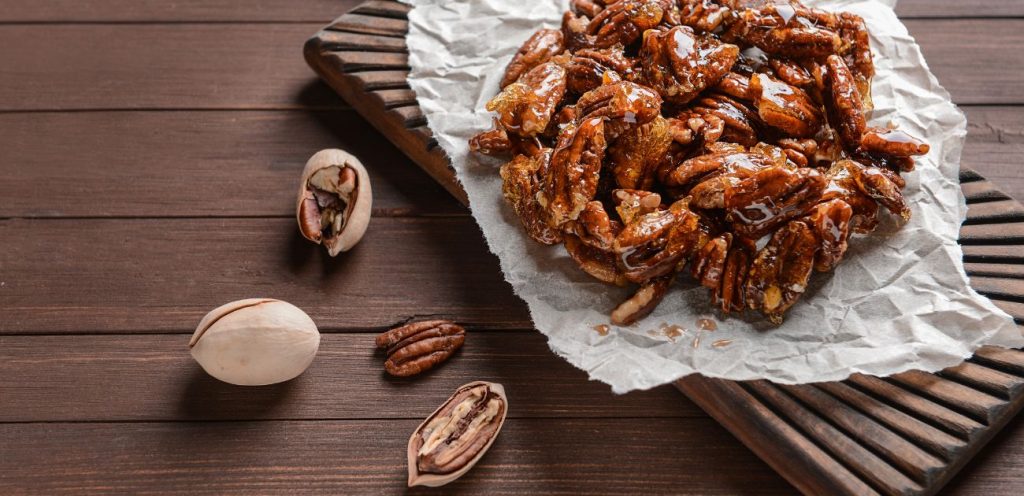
{"x":420,"y":346}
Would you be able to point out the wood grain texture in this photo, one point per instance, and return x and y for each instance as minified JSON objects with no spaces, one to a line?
{"x":199,"y":164}
{"x":12,"y":11}
{"x":154,"y":378}
{"x":148,"y":275}
{"x":904,"y":435}
{"x":265,"y":149}
{"x":576,"y":456}
{"x":157,"y":66}
{"x":132,"y":66}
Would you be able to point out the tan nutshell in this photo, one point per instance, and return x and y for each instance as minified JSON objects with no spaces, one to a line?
{"x":334,"y":202}
{"x":255,"y":342}
{"x":453,"y":438}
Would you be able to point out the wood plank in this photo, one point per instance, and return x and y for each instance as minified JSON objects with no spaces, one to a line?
{"x":211,"y":163}
{"x":992,"y":471}
{"x":959,"y":8}
{"x":146,"y":275}
{"x":994,"y":146}
{"x":967,"y":55}
{"x":346,"y":381}
{"x":557,"y":456}
{"x":221,"y":144}
{"x":131,"y":66}
{"x":12,"y":11}
{"x":90,"y":66}
{"x":321,"y":11}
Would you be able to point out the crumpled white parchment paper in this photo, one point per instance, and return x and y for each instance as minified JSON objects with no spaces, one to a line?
{"x":900,"y":300}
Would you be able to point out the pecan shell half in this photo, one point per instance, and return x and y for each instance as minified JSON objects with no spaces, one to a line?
{"x":419,"y":346}
{"x":453,"y":438}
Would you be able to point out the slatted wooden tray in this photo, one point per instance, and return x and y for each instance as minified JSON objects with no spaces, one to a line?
{"x":906,"y":434}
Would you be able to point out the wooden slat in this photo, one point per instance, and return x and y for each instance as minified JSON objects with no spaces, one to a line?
{"x":1001,"y":358}
{"x":1004,"y":211}
{"x":922,"y":466}
{"x":530,"y":456}
{"x":133,"y":378}
{"x":972,"y":403}
{"x":991,"y":381}
{"x":1010,"y":232}
{"x":882,"y":477}
{"x":926,"y":436}
{"x":1005,"y":289}
{"x":146,"y":275}
{"x":193,"y":164}
{"x":918,"y":406}
{"x":994,"y":269}
{"x":994,"y":253}
{"x":982,"y":191}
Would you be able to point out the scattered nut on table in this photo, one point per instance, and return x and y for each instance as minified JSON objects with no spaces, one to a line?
{"x":335,"y":200}
{"x":419,"y":346}
{"x":255,"y":342}
{"x":453,"y":438}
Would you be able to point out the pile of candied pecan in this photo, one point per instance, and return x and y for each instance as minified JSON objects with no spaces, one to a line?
{"x":729,"y":135}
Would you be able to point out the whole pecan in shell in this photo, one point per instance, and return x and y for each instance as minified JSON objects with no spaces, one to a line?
{"x":419,"y":346}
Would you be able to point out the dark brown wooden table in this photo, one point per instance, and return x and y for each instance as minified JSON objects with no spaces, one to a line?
{"x":149,"y":155}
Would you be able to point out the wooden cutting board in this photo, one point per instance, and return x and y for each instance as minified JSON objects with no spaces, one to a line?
{"x":906,"y":434}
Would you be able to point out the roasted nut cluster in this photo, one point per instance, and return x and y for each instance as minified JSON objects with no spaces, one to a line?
{"x":727,"y":135}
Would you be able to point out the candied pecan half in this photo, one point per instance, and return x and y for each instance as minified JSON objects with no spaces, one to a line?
{"x":419,"y":346}
{"x":730,"y":295}
{"x":571,"y":181}
{"x":830,"y":222}
{"x":728,"y":165}
{"x":594,"y":227}
{"x":784,"y":29}
{"x":735,"y":85}
{"x":892,"y":142}
{"x":643,"y":302}
{"x":497,"y":142}
{"x":785,"y":107}
{"x":632,"y":203}
{"x":525,"y":107}
{"x":657,"y":243}
{"x":539,"y":48}
{"x":624,"y":104}
{"x":589,"y":8}
{"x":801,"y":152}
{"x":680,"y":64}
{"x":708,"y":263}
{"x":622,"y":22}
{"x":598,"y":263}
{"x":779,"y":273}
{"x":843,"y":186}
{"x":846,"y":105}
{"x":702,"y":15}
{"x":520,"y":184}
{"x":766,"y":199}
{"x":589,"y":68}
{"x":740,"y":123}
{"x":638,"y":151}
{"x":791,"y":72}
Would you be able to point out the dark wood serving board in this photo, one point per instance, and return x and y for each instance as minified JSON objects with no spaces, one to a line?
{"x":906,"y":434}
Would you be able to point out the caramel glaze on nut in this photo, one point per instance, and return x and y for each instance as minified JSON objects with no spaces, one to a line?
{"x":420,"y":346}
{"x":730,"y":136}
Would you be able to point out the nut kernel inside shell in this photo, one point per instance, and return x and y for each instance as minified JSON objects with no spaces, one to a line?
{"x":335,"y":200}
{"x":255,"y":342}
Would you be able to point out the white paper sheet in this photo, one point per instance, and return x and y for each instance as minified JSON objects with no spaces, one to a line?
{"x":900,"y":300}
